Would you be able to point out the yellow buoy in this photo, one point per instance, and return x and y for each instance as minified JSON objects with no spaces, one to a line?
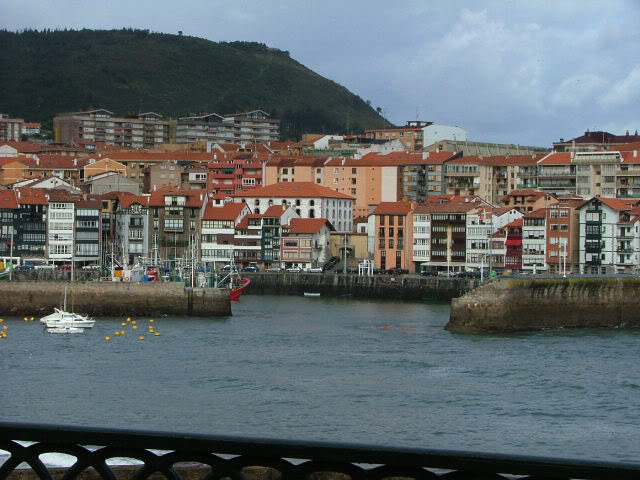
{"x":117,"y":333}
{"x":107,"y":338}
{"x":134,"y":327}
{"x":122,"y":332}
{"x":31,"y":319}
{"x":141,"y":337}
{"x":124,"y":324}
{"x":151,"y":321}
{"x":1,"y":320}
{"x":157,"y":334}
{"x":4,"y":327}
{"x":133,"y":322}
{"x":26,"y":319}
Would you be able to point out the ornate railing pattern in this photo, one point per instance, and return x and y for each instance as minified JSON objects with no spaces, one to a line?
{"x":221,"y":457}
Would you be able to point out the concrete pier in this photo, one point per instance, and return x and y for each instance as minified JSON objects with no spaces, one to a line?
{"x":512,"y":305}
{"x":113,"y":299}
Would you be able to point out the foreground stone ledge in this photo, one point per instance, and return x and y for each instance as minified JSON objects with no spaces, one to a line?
{"x":514,"y":305}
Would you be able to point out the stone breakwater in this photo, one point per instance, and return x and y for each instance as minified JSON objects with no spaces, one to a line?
{"x":513,"y":305}
{"x":113,"y":299}
{"x":400,"y":287}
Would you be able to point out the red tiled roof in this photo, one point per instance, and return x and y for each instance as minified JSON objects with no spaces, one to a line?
{"x":308,"y":225}
{"x":293,"y":189}
{"x":556,"y":158}
{"x":392,"y":208}
{"x":8,"y":199}
{"x":24,"y":160}
{"x":126,"y":200}
{"x":193,"y":196}
{"x":244,"y":223}
{"x":88,"y":201}
{"x":157,"y":156}
{"x":453,"y":207}
{"x":31,"y":196}
{"x":539,"y":213}
{"x":516,"y":223}
{"x":618,"y":204}
{"x":392,"y":159}
{"x":274,"y":211}
{"x":230,"y":211}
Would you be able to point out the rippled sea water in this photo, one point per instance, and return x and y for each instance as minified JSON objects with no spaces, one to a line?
{"x":377,"y":372}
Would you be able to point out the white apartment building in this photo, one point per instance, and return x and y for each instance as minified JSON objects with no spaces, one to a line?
{"x":481,"y":224}
{"x":132,"y":228}
{"x":421,"y":219}
{"x":217,"y":236}
{"x":307,"y":199}
{"x":60,"y":228}
{"x":534,"y":242}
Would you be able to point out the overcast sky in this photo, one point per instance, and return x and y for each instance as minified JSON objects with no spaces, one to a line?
{"x":506,"y":71}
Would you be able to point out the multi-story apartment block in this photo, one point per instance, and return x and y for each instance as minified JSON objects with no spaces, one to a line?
{"x":175,"y":221}
{"x":392,"y":231}
{"x":562,"y":246}
{"x":218,"y":243}
{"x":9,"y":213}
{"x":528,"y":199}
{"x":411,"y":135}
{"x":160,"y":175}
{"x":88,"y":236}
{"x":463,"y":176}
{"x":248,"y":240}
{"x":235,"y":172}
{"x":308,"y":200}
{"x":286,"y":168}
{"x":513,"y":244}
{"x":145,"y":131}
{"x":305,"y":243}
{"x":132,"y":228}
{"x":592,"y":141}
{"x":273,"y":220}
{"x":481,"y":224}
{"x":32,"y":222}
{"x":421,"y":237}
{"x":448,"y":234}
{"x":255,"y":126}
{"x":608,"y":236}
{"x":60,"y":226}
{"x":10,"y":128}
{"x":534,"y":242}
{"x":557,"y":174}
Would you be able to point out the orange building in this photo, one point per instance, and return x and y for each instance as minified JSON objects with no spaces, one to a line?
{"x":392,"y":235}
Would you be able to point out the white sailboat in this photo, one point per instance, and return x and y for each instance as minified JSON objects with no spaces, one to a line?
{"x":62,"y":318}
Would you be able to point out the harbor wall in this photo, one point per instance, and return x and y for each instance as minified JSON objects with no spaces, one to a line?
{"x":112,"y":299}
{"x":405,"y":287}
{"x":512,"y":305}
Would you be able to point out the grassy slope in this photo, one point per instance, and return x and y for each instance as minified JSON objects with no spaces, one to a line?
{"x":125,"y":71}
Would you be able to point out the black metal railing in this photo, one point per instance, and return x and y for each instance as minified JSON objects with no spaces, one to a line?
{"x":237,"y":458}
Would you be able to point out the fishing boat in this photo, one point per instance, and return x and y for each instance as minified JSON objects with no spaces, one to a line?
{"x":311,"y":294}
{"x":237,"y":287}
{"x":65,"y":330}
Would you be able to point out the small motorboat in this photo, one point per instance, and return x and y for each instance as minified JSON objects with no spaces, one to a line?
{"x":311,"y":294}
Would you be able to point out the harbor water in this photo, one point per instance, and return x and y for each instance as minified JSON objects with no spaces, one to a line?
{"x":335,"y":369}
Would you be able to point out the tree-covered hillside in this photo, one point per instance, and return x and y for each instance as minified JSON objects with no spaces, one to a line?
{"x":128,"y":71}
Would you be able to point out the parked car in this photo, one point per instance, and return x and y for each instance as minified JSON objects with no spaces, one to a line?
{"x":229,"y":268}
{"x":274,"y":270}
{"x":91,"y":267}
{"x":45,"y":266}
{"x":379,"y":271}
{"x":428,"y":273}
{"x":64,"y":266}
{"x":251,"y":268}
{"x":396,"y":271}
{"x":26,"y":266}
{"x":294,"y":269}
{"x":469,"y":274}
{"x":315,"y":270}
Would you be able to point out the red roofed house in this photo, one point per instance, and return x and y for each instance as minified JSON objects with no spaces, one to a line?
{"x":248,"y":240}
{"x":306,"y":243}
{"x":392,"y":235}
{"x":309,"y":200}
{"x":528,"y":199}
{"x":175,"y":225}
{"x":234,"y":172}
{"x":218,"y":245}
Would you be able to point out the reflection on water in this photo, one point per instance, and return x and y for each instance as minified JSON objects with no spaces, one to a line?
{"x":338,"y":370}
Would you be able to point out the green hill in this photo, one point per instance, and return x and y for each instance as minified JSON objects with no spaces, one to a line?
{"x":128,"y":71}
